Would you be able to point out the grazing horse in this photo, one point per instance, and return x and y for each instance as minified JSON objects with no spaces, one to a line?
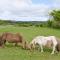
{"x":14,"y":38}
{"x":49,"y":41}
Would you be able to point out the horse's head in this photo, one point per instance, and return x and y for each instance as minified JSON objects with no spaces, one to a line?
{"x":32,"y":45}
{"x":27,"y":45}
{"x":1,"y":41}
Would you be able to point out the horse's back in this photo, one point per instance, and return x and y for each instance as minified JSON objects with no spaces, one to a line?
{"x":37,"y":39}
{"x":43,"y":40}
{"x":54,"y":40}
{"x":11,"y":37}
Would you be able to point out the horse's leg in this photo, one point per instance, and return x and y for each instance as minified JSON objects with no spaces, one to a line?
{"x":23,"y":44}
{"x":4,"y":42}
{"x":53,"y":49}
{"x":1,"y":44}
{"x":15,"y":44}
{"x":41,"y":48}
{"x":33,"y":45}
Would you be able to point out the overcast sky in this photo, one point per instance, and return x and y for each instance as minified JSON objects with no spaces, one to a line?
{"x":27,"y":10}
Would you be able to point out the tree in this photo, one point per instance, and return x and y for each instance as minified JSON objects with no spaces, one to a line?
{"x":55,"y":14}
{"x":49,"y":23}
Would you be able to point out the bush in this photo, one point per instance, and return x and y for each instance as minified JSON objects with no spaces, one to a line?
{"x":56,"y":24}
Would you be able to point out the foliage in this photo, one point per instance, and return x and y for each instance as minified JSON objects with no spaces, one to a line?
{"x":56,"y":15}
{"x":6,"y":22}
{"x":55,"y":19}
{"x":49,"y":23}
{"x":22,"y":23}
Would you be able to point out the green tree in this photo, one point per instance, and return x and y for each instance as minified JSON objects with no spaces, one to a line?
{"x":55,"y":18}
{"x":49,"y":23}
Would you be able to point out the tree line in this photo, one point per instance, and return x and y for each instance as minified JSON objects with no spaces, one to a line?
{"x":53,"y":22}
{"x":22,"y":23}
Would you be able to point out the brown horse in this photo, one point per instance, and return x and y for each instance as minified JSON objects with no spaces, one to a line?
{"x":14,"y":38}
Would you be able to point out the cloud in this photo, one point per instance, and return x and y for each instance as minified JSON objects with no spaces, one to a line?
{"x":25,"y":10}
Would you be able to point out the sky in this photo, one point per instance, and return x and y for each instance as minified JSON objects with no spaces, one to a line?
{"x":27,"y":10}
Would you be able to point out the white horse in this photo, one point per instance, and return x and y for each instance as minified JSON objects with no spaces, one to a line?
{"x":49,"y":41}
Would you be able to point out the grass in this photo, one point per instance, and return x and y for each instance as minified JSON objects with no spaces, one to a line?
{"x":17,"y":53}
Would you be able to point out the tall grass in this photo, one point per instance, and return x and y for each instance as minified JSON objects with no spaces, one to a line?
{"x":17,"y":53}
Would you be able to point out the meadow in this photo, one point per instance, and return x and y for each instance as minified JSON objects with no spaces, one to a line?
{"x":11,"y":52}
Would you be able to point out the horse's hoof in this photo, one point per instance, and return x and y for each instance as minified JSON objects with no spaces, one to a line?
{"x":41,"y":51}
{"x":52,"y":53}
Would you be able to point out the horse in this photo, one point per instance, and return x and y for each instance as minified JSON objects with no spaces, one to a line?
{"x":49,"y":41}
{"x":14,"y":38}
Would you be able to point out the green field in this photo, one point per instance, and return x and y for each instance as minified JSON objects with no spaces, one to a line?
{"x":11,"y":52}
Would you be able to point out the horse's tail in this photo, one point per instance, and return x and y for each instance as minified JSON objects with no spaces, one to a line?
{"x":57,"y":49}
{"x":58,"y":45}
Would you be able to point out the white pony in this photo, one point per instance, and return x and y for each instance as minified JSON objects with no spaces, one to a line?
{"x":49,"y":41}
